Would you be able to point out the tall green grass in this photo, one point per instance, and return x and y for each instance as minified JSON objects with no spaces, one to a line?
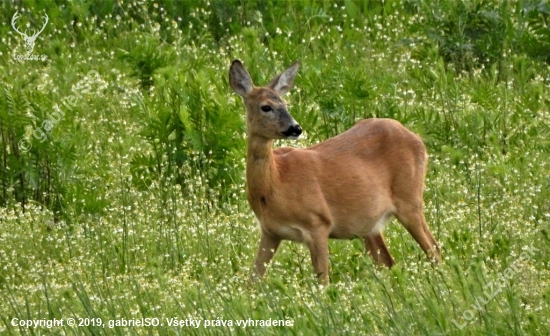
{"x":134,"y":206}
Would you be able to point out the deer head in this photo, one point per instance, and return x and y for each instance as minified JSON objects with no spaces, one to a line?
{"x":29,"y":40}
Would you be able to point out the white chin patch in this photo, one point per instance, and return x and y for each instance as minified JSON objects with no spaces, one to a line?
{"x":293,"y":137}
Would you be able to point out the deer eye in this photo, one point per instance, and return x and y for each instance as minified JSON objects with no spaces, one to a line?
{"x":266,"y":108}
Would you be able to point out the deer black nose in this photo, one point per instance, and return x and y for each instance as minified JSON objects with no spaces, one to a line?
{"x":293,"y":131}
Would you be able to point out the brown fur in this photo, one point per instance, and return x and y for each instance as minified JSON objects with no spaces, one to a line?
{"x":345,"y":187}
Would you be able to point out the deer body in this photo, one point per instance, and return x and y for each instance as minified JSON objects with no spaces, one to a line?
{"x":346,"y":187}
{"x":339,"y":202}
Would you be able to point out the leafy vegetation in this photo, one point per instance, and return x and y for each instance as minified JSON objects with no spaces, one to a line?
{"x":122,"y":191}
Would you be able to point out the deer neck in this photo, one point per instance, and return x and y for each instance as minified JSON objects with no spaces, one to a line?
{"x":261,"y":171}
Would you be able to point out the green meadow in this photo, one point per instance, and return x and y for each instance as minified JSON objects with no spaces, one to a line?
{"x":123,"y":204}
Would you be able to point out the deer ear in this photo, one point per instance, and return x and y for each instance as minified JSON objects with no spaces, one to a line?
{"x":239,"y":79}
{"x":283,"y":83}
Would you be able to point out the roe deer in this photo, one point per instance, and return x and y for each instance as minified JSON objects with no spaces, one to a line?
{"x":345,"y":187}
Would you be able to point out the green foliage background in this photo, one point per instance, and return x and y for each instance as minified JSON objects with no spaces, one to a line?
{"x":134,"y":206}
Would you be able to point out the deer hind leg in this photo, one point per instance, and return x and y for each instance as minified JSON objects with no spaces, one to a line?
{"x":412,"y":218}
{"x":266,"y":251}
{"x":375,"y":245}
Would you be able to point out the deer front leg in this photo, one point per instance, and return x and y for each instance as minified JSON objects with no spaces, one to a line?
{"x":266,"y":251}
{"x":318,"y":248}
